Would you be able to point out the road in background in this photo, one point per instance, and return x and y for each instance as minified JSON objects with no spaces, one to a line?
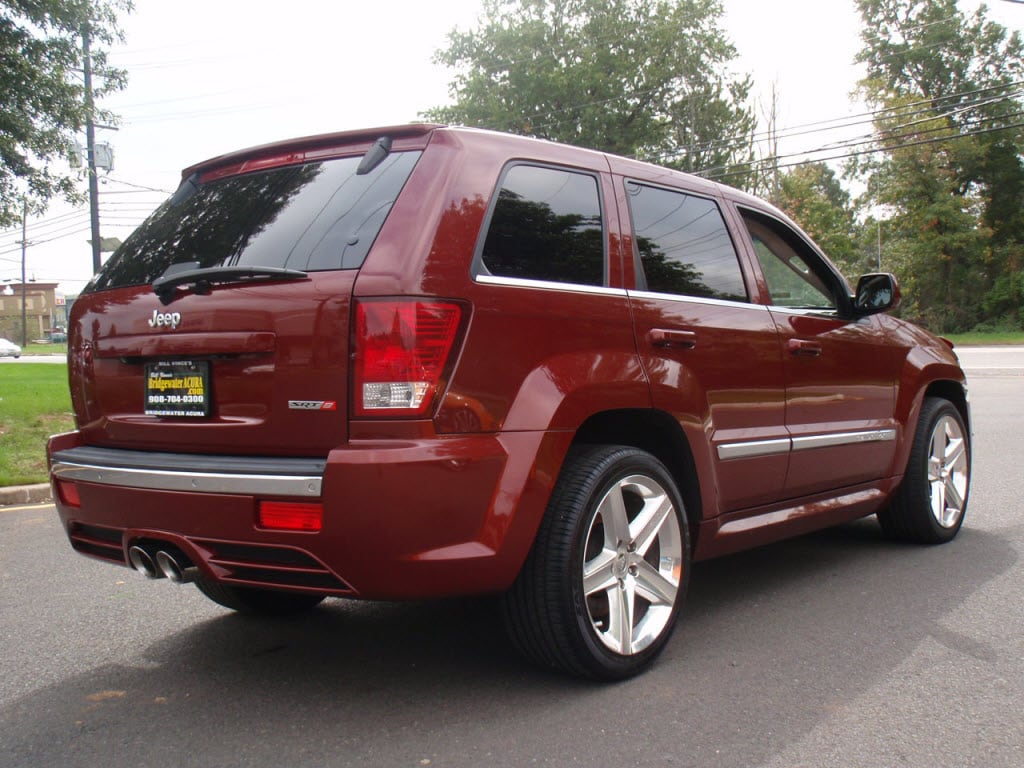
{"x":35,"y":359}
{"x":837,"y":649}
{"x":990,"y":361}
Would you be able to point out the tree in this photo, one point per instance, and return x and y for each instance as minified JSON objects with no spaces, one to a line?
{"x":938,"y":234}
{"x":42,"y":96}
{"x":813,"y":197}
{"x":645,"y":78}
{"x":946,"y":90}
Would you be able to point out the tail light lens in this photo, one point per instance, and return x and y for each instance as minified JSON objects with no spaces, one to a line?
{"x":402,"y":351}
{"x":291,"y":516}
{"x":67,"y":492}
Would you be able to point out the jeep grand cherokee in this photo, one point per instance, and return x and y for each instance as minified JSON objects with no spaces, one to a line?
{"x":423,"y":361}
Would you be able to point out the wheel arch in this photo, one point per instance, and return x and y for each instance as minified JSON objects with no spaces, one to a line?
{"x":953,"y":391}
{"x":659,"y":434}
{"x":950,"y":389}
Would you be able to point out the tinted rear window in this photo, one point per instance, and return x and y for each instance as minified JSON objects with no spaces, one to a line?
{"x":313,"y":217}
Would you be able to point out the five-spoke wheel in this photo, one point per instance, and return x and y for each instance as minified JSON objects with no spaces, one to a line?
{"x":603,"y":585}
{"x":947,"y":471}
{"x":930,"y":504}
{"x":633,"y":562}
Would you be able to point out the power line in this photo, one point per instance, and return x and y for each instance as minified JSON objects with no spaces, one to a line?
{"x":921,"y":106}
{"x":139,"y":186}
{"x":896,"y":112}
{"x":825,"y":126}
{"x":875,"y":150}
{"x":50,"y":240}
{"x":763,"y":163}
{"x":57,"y":217}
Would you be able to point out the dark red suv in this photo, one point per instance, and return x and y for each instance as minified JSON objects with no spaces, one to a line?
{"x":424,"y":361}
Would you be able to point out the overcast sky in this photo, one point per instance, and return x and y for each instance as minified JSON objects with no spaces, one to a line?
{"x":210,"y":77}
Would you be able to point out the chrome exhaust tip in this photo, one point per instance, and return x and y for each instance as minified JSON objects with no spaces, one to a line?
{"x":143,"y":563}
{"x":178,"y":571}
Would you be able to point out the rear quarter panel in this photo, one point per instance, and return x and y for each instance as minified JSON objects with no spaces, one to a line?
{"x":536,"y":356}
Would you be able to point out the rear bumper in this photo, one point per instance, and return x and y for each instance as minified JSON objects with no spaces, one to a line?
{"x":187,"y":472}
{"x":402,"y":519}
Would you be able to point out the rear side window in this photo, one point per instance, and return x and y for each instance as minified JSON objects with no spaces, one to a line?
{"x":683,"y":245}
{"x":546,"y":225}
{"x":319,"y":216}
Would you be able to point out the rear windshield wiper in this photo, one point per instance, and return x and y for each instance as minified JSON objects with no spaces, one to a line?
{"x":189,"y":273}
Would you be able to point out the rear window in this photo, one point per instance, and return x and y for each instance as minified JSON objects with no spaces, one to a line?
{"x":314,"y":217}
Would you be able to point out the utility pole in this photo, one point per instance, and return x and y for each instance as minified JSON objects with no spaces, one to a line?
{"x":878,"y":263}
{"x":773,"y":140}
{"x":90,"y":151}
{"x":24,"y":287}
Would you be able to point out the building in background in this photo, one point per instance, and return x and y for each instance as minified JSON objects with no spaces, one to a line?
{"x":44,"y":312}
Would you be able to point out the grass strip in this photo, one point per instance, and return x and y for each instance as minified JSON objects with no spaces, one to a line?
{"x":34,"y":404}
{"x":993,"y":338}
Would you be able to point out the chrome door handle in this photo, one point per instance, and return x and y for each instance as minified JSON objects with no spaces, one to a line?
{"x":664,"y":337}
{"x":804,"y":347}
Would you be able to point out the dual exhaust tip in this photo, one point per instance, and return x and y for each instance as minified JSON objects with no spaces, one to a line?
{"x":162,"y":563}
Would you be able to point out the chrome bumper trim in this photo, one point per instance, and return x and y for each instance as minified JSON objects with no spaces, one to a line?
{"x":252,"y":478}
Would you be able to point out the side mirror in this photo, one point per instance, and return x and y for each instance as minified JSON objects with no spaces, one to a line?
{"x":877,"y":292}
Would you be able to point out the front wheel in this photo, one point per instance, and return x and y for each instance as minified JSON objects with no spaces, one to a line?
{"x":929,"y":506}
{"x":602,"y":587}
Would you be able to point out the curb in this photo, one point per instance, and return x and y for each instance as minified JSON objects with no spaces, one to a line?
{"x":24,"y":494}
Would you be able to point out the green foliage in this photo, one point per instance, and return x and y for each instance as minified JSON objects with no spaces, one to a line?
{"x":1004,"y":304}
{"x":937,"y":235}
{"x":34,"y":404}
{"x":813,"y":197}
{"x":950,"y":182}
{"x":645,"y":78}
{"x":42,"y":96}
{"x":929,"y":48}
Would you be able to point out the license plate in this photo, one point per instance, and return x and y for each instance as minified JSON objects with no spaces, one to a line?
{"x":177,"y":388}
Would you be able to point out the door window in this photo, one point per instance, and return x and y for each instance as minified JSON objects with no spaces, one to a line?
{"x":683,"y":245}
{"x":794,"y":276}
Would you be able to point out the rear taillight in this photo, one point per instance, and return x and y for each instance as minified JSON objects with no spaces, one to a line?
{"x":402,"y":350}
{"x":67,"y":492}
{"x":291,"y":516}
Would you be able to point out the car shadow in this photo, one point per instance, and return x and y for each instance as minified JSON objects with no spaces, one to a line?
{"x":771,"y":642}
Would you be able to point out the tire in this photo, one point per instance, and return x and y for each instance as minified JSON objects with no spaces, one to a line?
{"x":602,"y":587}
{"x":258,"y":602}
{"x":930,"y":504}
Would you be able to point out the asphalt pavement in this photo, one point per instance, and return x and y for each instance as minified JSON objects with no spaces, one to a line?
{"x":834,"y":650}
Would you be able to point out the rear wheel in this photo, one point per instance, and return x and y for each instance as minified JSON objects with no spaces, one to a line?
{"x":258,"y":602}
{"x":602,"y":587}
{"x":930,"y":504}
